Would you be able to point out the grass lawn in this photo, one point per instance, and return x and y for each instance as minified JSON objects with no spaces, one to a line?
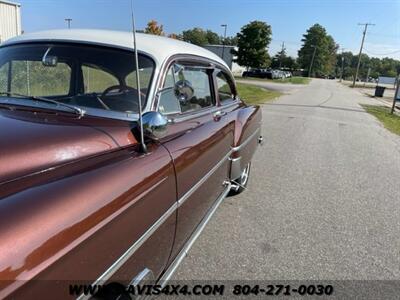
{"x":255,"y":95}
{"x":382,"y":113}
{"x":292,"y":80}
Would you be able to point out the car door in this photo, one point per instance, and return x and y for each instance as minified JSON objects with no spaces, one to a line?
{"x":199,"y":140}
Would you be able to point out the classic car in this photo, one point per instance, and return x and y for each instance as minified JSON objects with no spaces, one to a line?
{"x":86,"y":196}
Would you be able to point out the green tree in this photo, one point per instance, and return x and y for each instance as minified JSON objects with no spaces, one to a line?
{"x":212,"y":38}
{"x":175,"y":36}
{"x":200,"y":36}
{"x":378,"y":66}
{"x":278,"y":61}
{"x":231,"y":40}
{"x":348,"y":65}
{"x":252,"y":42}
{"x":153,"y":28}
{"x":325,"y":52}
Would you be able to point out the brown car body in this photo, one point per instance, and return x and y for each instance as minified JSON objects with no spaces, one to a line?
{"x":80,"y":203}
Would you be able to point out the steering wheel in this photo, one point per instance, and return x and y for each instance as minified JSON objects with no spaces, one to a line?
{"x":120,"y":88}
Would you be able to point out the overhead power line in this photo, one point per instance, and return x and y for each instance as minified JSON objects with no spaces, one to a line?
{"x":388,"y":53}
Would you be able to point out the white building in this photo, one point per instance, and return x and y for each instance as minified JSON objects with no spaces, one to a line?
{"x":10,"y":20}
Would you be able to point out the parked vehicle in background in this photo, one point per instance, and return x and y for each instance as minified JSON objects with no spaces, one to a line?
{"x":276,"y":74}
{"x":288,"y":74}
{"x":83,"y":202}
{"x":258,"y":73}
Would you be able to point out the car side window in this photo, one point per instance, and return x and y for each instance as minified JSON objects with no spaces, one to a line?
{"x":196,"y":79}
{"x":168,"y":102}
{"x":224,"y":86}
{"x":199,"y":80}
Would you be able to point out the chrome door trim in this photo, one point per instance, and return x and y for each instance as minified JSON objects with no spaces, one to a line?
{"x":174,"y":265}
{"x":237,"y":148}
{"x":200,"y":113}
{"x":203,"y":179}
{"x":128,"y":253}
{"x":197,"y":114}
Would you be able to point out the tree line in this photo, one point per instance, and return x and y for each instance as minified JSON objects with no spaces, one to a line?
{"x":318,"y":48}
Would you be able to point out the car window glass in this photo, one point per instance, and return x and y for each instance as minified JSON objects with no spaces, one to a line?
{"x":168,"y":102}
{"x":224,"y":89}
{"x":200,"y":83}
{"x":145,"y":75}
{"x":34,"y":79}
{"x":3,"y":77}
{"x":169,"y":78}
{"x":96,"y":80}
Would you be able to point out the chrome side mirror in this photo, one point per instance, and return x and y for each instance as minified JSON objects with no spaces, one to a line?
{"x":183,"y":91}
{"x":154,"y":124}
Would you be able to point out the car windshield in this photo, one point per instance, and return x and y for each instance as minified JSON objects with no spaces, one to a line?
{"x":95,"y":78}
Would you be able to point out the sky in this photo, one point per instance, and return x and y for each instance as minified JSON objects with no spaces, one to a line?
{"x":289,"y":19}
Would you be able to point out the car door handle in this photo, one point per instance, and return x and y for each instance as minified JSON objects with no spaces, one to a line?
{"x":218,"y":114}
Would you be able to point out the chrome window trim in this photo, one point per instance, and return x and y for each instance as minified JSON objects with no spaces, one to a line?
{"x":200,"y":113}
{"x":97,"y":112}
{"x":239,"y":147}
{"x":136,"y":245}
{"x":163,"y":70}
{"x":182,"y":200}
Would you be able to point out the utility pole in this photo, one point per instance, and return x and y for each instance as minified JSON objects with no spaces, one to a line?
{"x":341,"y":72}
{"x":362,"y":45}
{"x":223,"y":42}
{"x":68,"y":20}
{"x":312,"y":60}
{"x":281,"y":58}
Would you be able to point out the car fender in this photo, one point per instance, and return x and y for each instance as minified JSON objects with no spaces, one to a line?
{"x":247,"y":137}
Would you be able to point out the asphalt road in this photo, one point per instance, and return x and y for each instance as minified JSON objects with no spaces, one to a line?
{"x":323,"y":201}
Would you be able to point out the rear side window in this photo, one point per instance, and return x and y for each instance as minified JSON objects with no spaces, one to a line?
{"x":224,"y":86}
{"x":200,"y":82}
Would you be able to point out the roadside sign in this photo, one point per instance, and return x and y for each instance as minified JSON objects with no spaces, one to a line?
{"x":396,"y":96}
{"x":386,"y":80}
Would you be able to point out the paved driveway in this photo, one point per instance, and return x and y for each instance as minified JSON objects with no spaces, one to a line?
{"x":323,"y":201}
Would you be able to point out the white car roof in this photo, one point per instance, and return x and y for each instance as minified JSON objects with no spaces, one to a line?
{"x":160,"y":48}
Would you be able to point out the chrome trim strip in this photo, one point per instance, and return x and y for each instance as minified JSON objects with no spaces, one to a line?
{"x":237,"y":148}
{"x":236,"y":169}
{"x":172,"y":268}
{"x":197,"y":114}
{"x":124,"y":257}
{"x":202,"y":180}
{"x":202,"y":112}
